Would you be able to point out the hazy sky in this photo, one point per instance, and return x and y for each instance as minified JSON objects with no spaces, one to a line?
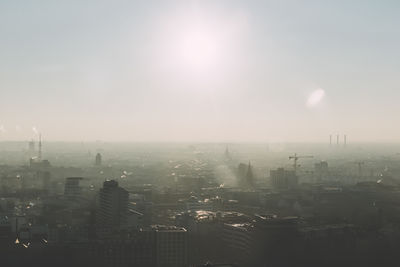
{"x":200,"y":70}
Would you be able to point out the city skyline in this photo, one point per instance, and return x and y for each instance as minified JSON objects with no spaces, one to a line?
{"x":199,"y":133}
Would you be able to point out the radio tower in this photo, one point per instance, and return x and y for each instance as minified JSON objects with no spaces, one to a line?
{"x":40,"y":147}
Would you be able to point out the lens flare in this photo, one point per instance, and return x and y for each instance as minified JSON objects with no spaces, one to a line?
{"x":315,"y":98}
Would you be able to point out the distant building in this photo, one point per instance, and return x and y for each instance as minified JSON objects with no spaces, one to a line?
{"x":241,"y":170}
{"x":249,"y":176}
{"x":72,"y":189}
{"x":113,"y":206}
{"x":45,"y":176}
{"x":36,"y":163}
{"x":321,"y":170}
{"x":227,"y":154}
{"x":31,"y":147}
{"x":98,"y":159}
{"x":245,"y":175}
{"x":282,"y":179}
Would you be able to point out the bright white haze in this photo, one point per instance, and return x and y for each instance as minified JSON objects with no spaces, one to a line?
{"x":207,"y":71}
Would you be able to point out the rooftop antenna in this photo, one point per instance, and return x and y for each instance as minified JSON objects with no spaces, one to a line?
{"x":40,"y":147}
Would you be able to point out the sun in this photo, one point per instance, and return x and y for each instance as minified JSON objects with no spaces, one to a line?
{"x":192,"y":44}
{"x":199,"y":49}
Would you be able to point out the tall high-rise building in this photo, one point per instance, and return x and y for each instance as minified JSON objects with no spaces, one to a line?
{"x":98,"y":159}
{"x":113,"y":206}
{"x":171,"y":246}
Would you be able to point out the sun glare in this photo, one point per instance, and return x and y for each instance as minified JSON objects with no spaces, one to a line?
{"x":199,"y":49}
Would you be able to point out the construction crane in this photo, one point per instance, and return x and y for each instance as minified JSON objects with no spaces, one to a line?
{"x":295,"y":158}
{"x":359,"y":163}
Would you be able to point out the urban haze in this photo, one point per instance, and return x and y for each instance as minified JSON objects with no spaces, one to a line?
{"x":190,"y":133}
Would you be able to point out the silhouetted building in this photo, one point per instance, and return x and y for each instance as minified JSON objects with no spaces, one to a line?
{"x":245,"y":175}
{"x":171,"y":246}
{"x":45,"y":176}
{"x":227,"y":155}
{"x":282,"y":179}
{"x":36,"y":163}
{"x":250,"y":176}
{"x":113,"y":206}
{"x":275,"y":239}
{"x":98,"y":159}
{"x":238,"y":241}
{"x":72,"y":188}
{"x":31,"y":148}
{"x":321,"y":170}
{"x":140,"y":250}
{"x":155,"y":246}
